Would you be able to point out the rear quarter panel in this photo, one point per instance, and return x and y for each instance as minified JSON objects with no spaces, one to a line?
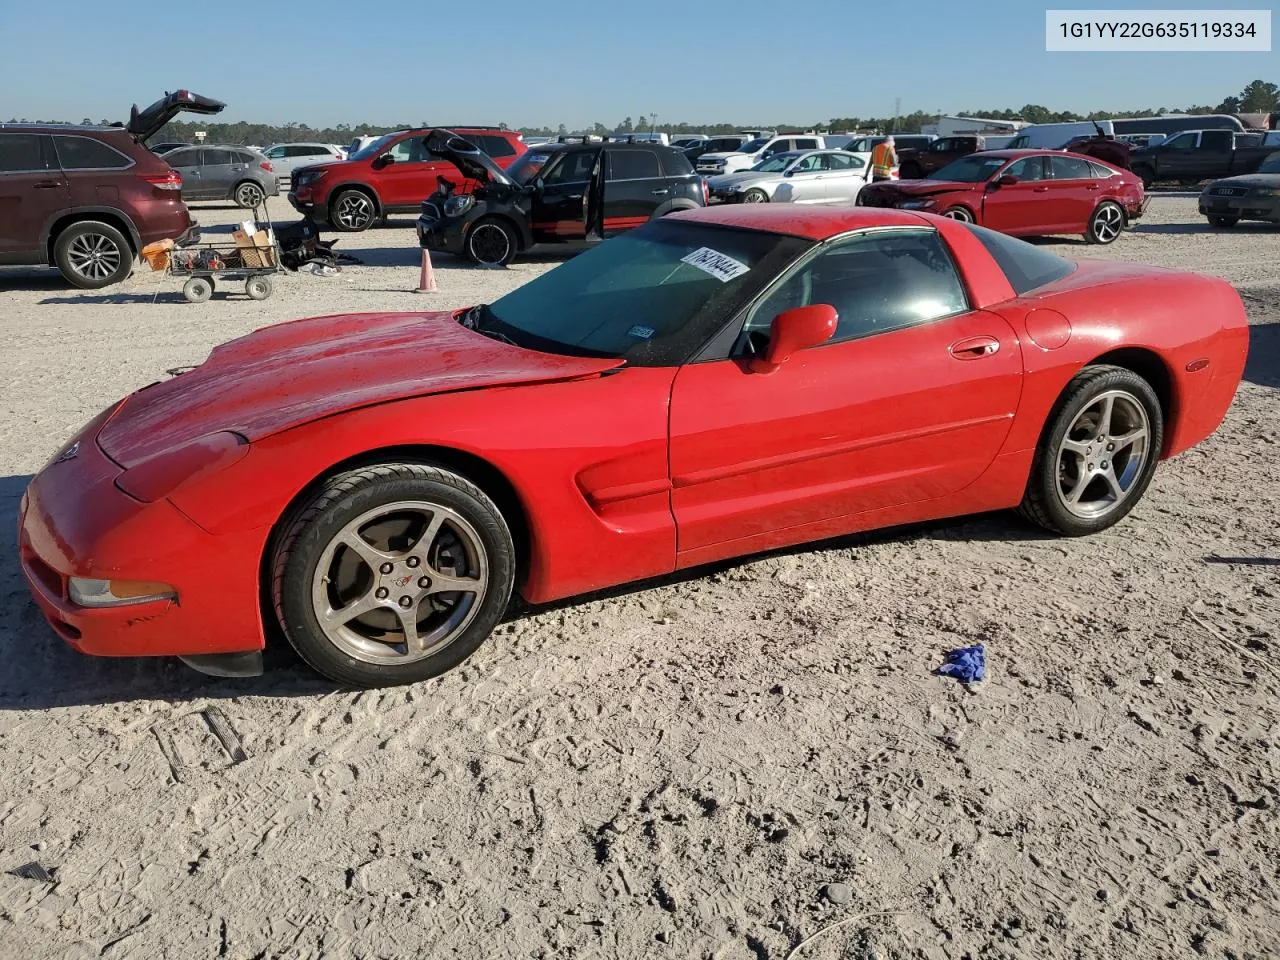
{"x":1177,"y":319}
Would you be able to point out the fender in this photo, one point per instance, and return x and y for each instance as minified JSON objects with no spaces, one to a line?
{"x":674,"y":204}
{"x":47,"y":229}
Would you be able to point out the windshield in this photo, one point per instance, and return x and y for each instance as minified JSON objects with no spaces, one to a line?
{"x":1018,"y":143}
{"x":530,"y":164}
{"x":971,"y":169}
{"x":652,"y":295}
{"x":775,"y":164}
{"x":374,"y":149}
{"x":1271,"y":164}
{"x":751,"y":146}
{"x":861,"y":145}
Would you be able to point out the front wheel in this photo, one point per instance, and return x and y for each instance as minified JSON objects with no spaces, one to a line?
{"x":197,"y":289}
{"x":755,"y":196}
{"x":1223,"y":222}
{"x":258,"y":288}
{"x":1105,"y":224}
{"x":958,"y":213}
{"x":392,"y":574}
{"x":353,"y":211}
{"x":1097,"y":454}
{"x":491,"y":243}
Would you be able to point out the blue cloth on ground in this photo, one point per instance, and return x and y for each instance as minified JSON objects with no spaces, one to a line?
{"x":968,"y":664}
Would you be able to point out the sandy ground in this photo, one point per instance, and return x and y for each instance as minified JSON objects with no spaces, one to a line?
{"x":718,"y":766}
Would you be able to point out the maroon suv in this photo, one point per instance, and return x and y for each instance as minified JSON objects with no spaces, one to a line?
{"x":88,"y":199}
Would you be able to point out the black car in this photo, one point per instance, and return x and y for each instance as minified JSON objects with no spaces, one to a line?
{"x":574,"y":193}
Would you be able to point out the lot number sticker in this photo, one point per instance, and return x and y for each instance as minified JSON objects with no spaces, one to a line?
{"x":717,"y":264}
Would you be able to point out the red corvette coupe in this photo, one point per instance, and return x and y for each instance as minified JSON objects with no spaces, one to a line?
{"x":713,"y":384}
{"x":1028,"y":193}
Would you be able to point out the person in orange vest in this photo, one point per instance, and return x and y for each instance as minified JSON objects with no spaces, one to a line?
{"x":883,"y":159}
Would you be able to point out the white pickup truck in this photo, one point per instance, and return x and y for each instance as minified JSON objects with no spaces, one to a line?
{"x":754,"y":151}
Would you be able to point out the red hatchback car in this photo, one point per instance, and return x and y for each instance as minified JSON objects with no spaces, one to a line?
{"x":1024,"y":193}
{"x":391,"y":175}
{"x":376,"y":486}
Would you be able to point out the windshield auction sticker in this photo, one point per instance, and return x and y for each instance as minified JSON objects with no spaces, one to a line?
{"x":717,"y":264}
{"x":1165,"y":31}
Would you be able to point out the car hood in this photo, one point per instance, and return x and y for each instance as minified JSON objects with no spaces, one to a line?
{"x":144,"y":124}
{"x":922,"y":188}
{"x":744,"y":177}
{"x":722,"y":156}
{"x":294,"y":373}
{"x":1250,"y":180}
{"x":471,"y":161}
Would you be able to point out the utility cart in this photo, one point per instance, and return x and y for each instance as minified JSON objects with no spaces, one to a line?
{"x":250,"y":256}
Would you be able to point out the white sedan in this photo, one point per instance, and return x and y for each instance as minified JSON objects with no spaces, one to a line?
{"x":808,"y":176}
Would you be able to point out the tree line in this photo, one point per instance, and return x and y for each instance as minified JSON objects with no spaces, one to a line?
{"x":1257,"y":97}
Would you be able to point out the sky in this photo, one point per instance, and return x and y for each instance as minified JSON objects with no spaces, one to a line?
{"x":325,"y":62}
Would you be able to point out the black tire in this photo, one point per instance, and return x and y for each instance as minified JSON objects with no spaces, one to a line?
{"x":198,"y":289}
{"x":1106,"y":224}
{"x":1146,"y":174}
{"x":258,"y":288}
{"x":353,"y":211}
{"x":1042,"y":502}
{"x":755,"y":195}
{"x":342,"y":500}
{"x":1223,"y":222}
{"x":92,"y":255}
{"x":248,"y":194}
{"x":492,"y":242}
{"x":963,"y":214}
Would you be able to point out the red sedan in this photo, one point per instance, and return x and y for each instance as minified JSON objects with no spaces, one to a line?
{"x":713,"y":384}
{"x":1023,"y":193}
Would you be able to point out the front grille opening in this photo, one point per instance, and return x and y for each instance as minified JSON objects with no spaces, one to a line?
{"x":64,"y":628}
{"x":48,"y":577}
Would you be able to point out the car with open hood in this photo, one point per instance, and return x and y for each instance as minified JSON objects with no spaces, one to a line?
{"x":572,"y":193}
{"x":376,"y":487}
{"x":87,"y":199}
{"x":800,"y":176}
{"x":1023,"y":193}
{"x":1253,"y":196}
{"x":393,"y":174}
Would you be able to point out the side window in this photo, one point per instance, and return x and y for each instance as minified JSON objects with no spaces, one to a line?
{"x":806,"y":143}
{"x":82,"y":153}
{"x":20,"y":153}
{"x":633,"y":165}
{"x":841,"y":161}
{"x":1184,"y":141}
{"x":809,"y":163}
{"x":942,"y":146}
{"x":1216,"y":140}
{"x":1029,"y":168}
{"x":216,"y":158}
{"x":183,"y":158}
{"x":275,"y":153}
{"x":496,"y":146}
{"x":239,"y":156}
{"x":1070,"y":168}
{"x":1100,"y":172}
{"x":409,"y":151}
{"x":573,"y":168}
{"x":877,"y":282}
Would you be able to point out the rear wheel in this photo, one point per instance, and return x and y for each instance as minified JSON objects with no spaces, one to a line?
{"x":92,"y":255}
{"x":1106,"y":223}
{"x":249,"y":194}
{"x":1097,"y":454}
{"x":1224,"y":222}
{"x":197,"y":290}
{"x":491,"y":243}
{"x":392,"y":574}
{"x":258,"y":288}
{"x":353,"y":211}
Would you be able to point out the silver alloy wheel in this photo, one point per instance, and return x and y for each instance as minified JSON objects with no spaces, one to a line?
{"x":1103,"y":454}
{"x":489,"y":243}
{"x":249,"y":195}
{"x":755,"y":196}
{"x":959,"y":213}
{"x":400,"y":582}
{"x":1107,"y":223}
{"x":354,"y":210}
{"x":93,"y":256}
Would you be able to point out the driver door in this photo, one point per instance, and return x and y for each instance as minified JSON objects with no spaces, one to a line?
{"x":560,"y":207}
{"x":807,"y":178}
{"x":910,"y":401}
{"x":412,"y":177}
{"x":1021,"y":207}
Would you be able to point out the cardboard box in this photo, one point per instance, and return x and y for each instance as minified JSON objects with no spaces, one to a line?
{"x":257,"y":249}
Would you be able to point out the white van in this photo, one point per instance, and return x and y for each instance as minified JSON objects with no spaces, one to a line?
{"x":1055,"y":136}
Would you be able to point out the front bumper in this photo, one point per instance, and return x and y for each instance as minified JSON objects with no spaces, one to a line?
{"x":312,"y":211}
{"x":74,"y":522}
{"x":1243,"y":208}
{"x":445,"y":236}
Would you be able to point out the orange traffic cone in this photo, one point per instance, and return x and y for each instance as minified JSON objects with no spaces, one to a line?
{"x":427,"y":282}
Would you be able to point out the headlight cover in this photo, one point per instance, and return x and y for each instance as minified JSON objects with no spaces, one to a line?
{"x":1267,"y":192}
{"x":87,"y":592}
{"x":305,"y":179}
{"x":916,"y":204}
{"x":457,"y":206}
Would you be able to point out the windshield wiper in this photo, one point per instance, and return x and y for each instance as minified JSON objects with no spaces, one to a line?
{"x":473,"y":319}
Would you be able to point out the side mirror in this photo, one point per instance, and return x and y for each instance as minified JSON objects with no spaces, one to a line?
{"x":385,"y":160}
{"x":788,"y":173}
{"x":1007,"y":180}
{"x":795,"y":330}
{"x":539,"y":185}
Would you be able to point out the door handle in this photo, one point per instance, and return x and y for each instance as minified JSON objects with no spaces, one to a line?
{"x":1040,"y":190}
{"x":46,"y":185}
{"x":1091,"y":186}
{"x":974,"y":348}
{"x":660,"y":193}
{"x":574,"y":196}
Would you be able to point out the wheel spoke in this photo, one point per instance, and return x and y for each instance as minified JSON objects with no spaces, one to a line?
{"x":1073,"y":495}
{"x":366,"y":551}
{"x":1126,"y":440}
{"x":1113,"y":482}
{"x":1079,"y":447}
{"x":445,"y":583}
{"x":408,"y":616}
{"x":423,"y":545}
{"x":1104,"y":418}
{"x":365,"y":604}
